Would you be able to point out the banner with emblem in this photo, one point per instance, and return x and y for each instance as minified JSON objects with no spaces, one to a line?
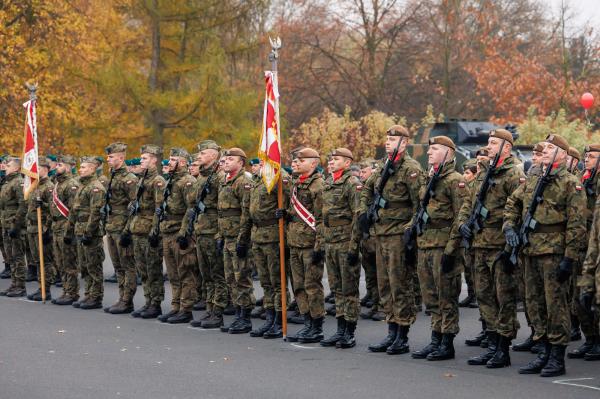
{"x":29,"y":166}
{"x":269,"y":150}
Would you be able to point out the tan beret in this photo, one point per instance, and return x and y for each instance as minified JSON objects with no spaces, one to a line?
{"x":573,"y":152}
{"x":592,"y":147}
{"x":179,"y":152}
{"x":483,"y":151}
{"x":236,"y":152}
{"x":342,"y":152}
{"x":398,"y":130}
{"x":152,"y":149}
{"x":558,"y":141}
{"x":306,"y":153}
{"x":502,"y":134}
{"x":208,"y":145}
{"x":539,"y":147}
{"x":116,"y":147}
{"x":88,"y":159}
{"x":67,"y":159}
{"x":470,"y":164}
{"x":443,"y":140}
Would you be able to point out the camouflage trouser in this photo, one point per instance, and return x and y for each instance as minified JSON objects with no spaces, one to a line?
{"x":238,"y":276}
{"x":200,"y":283}
{"x":124,"y":264}
{"x":440,"y":291}
{"x":28,"y":257}
{"x":2,"y":250}
{"x":180,"y":268}
{"x":395,"y":281}
{"x":266,"y":258}
{"x":307,"y":282}
{"x":211,"y":269}
{"x":65,"y":259}
{"x":15,"y":255}
{"x":469,"y":263}
{"x":496,"y":293}
{"x":520,"y":280}
{"x":149,"y":265}
{"x":90,"y":258}
{"x":369,"y":264}
{"x":547,"y":299}
{"x":48,"y":259}
{"x":588,"y":322}
{"x":343,"y":280}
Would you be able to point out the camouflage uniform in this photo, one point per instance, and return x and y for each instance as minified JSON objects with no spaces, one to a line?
{"x":13,"y":209}
{"x":368,"y":261}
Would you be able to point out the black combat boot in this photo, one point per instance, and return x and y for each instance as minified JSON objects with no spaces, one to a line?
{"x":122,"y":308}
{"x":295,"y":317}
{"x":245,"y":323}
{"x":387,"y":341}
{"x":31,"y":273}
{"x":107,"y":309}
{"x":230,"y":310}
{"x":58,"y":281}
{"x":482,"y":359}
{"x":200,"y":305}
{"x":6,"y":272}
{"x":17,"y":292}
{"x":445,"y":350}
{"x":537,"y":347}
{"x":330,"y":309}
{"x":502,"y":356}
{"x":260,"y":331}
{"x":468,"y":301}
{"x":364,"y":301}
{"x":91,"y":304}
{"x":400,"y":344}
{"x":594,"y":353}
{"x":436,"y":338}
{"x":307,"y":321}
{"x":330,"y":298}
{"x":78,"y":303}
{"x":556,"y":362}
{"x":526,"y":345}
{"x":275,"y":331}
{"x":478,"y":338}
{"x":580,"y":352}
{"x":537,"y":364}
{"x":153,"y":311}
{"x":575,"y":330}
{"x":225,"y":328}
{"x":180,"y":318}
{"x":35,"y":294}
{"x":198,"y":322}
{"x":257,"y":312}
{"x":138,"y":312}
{"x":341,"y":329}
{"x":215,"y":320}
{"x":315,"y":334}
{"x":163,"y":318}
{"x":64,"y":300}
{"x":347,"y":340}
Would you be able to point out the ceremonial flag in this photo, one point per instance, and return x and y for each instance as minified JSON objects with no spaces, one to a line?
{"x":29,"y":166}
{"x":269,"y":150}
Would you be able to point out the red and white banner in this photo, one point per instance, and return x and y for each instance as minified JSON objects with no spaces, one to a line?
{"x":269,"y":150}
{"x":29,"y":165}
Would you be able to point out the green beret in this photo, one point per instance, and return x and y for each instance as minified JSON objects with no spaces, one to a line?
{"x":99,"y":160}
{"x":254,"y":161}
{"x":135,"y":162}
{"x":52,"y":157}
{"x":165,"y":162}
{"x":128,"y":162}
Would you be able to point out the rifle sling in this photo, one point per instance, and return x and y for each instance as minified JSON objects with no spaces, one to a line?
{"x":550,"y":228}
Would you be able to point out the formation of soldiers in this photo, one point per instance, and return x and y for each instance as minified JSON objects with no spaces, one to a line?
{"x":518,"y":236}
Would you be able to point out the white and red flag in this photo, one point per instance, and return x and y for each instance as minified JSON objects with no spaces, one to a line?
{"x":29,"y":166}
{"x":270,"y":144}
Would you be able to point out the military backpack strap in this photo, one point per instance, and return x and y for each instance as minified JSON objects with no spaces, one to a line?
{"x":62,"y":208}
{"x":302,"y":212}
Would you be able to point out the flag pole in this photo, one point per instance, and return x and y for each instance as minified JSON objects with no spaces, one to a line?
{"x":274,"y":57}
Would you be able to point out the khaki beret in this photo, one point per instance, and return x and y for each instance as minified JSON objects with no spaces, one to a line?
{"x":152,"y":149}
{"x":44,"y":162}
{"x":208,"y":145}
{"x":443,"y":140}
{"x":306,"y":153}
{"x":483,"y":151}
{"x":573,"y":152}
{"x":558,"y":141}
{"x":179,"y":152}
{"x":88,"y":159}
{"x":592,"y":148}
{"x":502,"y":134}
{"x":67,"y":159}
{"x":398,"y":130}
{"x":238,"y":152}
{"x":342,"y":152}
{"x":116,"y":147}
{"x":295,"y":150}
{"x":539,"y":147}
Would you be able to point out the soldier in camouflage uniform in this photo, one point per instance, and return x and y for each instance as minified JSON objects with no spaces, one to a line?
{"x":470,"y":301}
{"x":341,"y":242}
{"x":179,"y":252}
{"x":438,"y":264}
{"x":554,"y":246}
{"x":148,"y":256}
{"x":121,"y":194}
{"x":13,"y":209}
{"x":495,"y":282}
{"x":590,"y":349}
{"x":394,"y":274}
{"x":233,"y":238}
{"x":573,"y":158}
{"x":5,"y":274}
{"x":41,"y":197}
{"x":200,"y":304}
{"x":85,"y":225}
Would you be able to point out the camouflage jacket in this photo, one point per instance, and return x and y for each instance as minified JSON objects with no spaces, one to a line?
{"x":103,"y":180}
{"x":44,"y":192}
{"x":233,"y":207}
{"x":178,"y":203}
{"x":265,"y":226}
{"x":66,"y":188}
{"x":506,"y":179}
{"x":590,"y":276}
{"x":561,"y":211}
{"x":309,"y":193}
{"x":122,"y":189}
{"x":152,"y":194}
{"x":341,"y":200}
{"x":401,"y":193}
{"x":450,"y":192}
{"x":207,"y":222}
{"x":591,"y":200}
{"x":13,"y":207}
{"x":85,"y":214}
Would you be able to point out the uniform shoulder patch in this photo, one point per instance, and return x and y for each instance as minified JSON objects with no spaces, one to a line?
{"x":247,"y":186}
{"x":129,"y":181}
{"x":285,"y":181}
{"x":522,"y":180}
{"x":159,"y":184}
{"x":413,"y":175}
{"x":188,"y":184}
{"x":96,"y":190}
{"x":359,"y":187}
{"x":578,"y":187}
{"x":73,"y":188}
{"x":461,"y":184}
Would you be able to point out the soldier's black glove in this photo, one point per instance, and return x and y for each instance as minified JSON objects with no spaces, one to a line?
{"x":220,"y":245}
{"x":153,"y":240}
{"x":125,"y":239}
{"x":13,"y":233}
{"x":507,"y":265}
{"x":241,"y":250}
{"x":512,"y":238}
{"x":280,"y":213}
{"x":586,"y":301}
{"x":352,"y":258}
{"x":85,"y":240}
{"x":363,"y":223}
{"x":448,"y":262}
{"x":183,"y":242}
{"x":47,"y":237}
{"x":465,"y":231}
{"x":316,"y":257}
{"x":565,"y":268}
{"x":68,"y":239}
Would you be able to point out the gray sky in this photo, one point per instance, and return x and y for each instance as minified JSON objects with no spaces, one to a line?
{"x":586,"y":11}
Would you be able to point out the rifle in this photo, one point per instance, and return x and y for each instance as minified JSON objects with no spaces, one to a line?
{"x":199,"y":207}
{"x":479,"y":212}
{"x":529,"y":223}
{"x":134,"y":207}
{"x":589,"y":183}
{"x":420,"y":219}
{"x":106,"y":208}
{"x":162,"y":209}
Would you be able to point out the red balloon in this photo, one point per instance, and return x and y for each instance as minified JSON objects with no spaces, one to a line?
{"x":587,"y":100}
